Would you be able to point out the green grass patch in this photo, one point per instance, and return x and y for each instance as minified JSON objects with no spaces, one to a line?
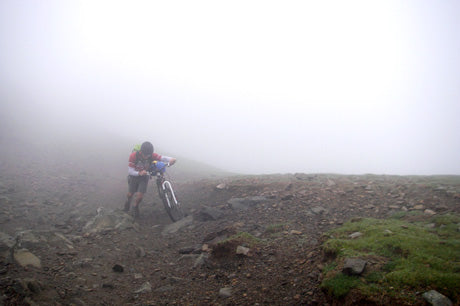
{"x":411,"y":256}
{"x":340,"y":284}
{"x":275,"y":228}
{"x":242,"y":238}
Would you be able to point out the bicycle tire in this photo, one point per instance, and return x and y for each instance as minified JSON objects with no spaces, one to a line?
{"x":173,"y":209}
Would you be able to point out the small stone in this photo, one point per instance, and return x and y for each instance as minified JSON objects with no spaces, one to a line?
{"x":225,"y":292}
{"x":387,"y":232}
{"x":241,"y":250}
{"x":117,"y":268}
{"x":25,"y":258}
{"x":108,"y":286}
{"x":419,"y":207}
{"x":146,"y":287}
{"x":221,"y":186}
{"x":354,"y":266}
{"x":429,"y":212}
{"x":140,"y":252}
{"x":294,"y":232}
{"x":355,"y":235}
{"x":436,"y":299}
{"x":318,"y":210}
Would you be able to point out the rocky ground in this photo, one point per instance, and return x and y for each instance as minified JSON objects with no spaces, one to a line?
{"x":65,"y":241}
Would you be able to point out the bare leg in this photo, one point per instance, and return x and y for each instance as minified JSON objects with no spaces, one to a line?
{"x":138,"y":200}
{"x":128,"y":201}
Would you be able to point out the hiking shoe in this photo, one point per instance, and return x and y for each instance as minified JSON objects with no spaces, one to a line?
{"x":136,"y":212}
{"x":127,"y":205}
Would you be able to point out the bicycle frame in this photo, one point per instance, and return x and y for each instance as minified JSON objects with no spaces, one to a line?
{"x":167,"y":195}
{"x":163,"y":186}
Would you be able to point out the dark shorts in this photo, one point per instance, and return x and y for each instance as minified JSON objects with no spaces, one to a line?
{"x":138,"y":183}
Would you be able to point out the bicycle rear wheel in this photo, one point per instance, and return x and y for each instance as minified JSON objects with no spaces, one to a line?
{"x":172,"y":206}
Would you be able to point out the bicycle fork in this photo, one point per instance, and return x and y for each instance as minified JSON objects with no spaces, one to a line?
{"x":163,"y":186}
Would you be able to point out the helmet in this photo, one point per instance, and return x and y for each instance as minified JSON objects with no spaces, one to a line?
{"x":147,"y":148}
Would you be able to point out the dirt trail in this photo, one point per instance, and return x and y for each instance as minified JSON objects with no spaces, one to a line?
{"x":153,"y":262}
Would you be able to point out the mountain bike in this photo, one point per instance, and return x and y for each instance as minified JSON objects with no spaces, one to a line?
{"x":165,"y":191}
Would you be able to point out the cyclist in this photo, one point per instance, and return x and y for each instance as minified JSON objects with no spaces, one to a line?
{"x":139,"y":163}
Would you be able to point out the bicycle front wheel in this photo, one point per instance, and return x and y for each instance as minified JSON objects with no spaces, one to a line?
{"x":172,"y":206}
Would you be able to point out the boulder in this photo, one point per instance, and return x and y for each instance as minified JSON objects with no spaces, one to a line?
{"x":176,"y":226}
{"x":209,"y":214}
{"x":108,"y":220}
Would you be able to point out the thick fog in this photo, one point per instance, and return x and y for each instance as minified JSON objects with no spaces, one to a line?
{"x":247,"y":86}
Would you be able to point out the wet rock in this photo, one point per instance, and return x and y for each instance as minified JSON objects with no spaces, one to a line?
{"x":436,"y":299}
{"x":354,"y":266}
{"x":25,"y":258}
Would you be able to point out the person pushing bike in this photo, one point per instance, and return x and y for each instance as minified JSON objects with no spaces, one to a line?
{"x":138,"y":176}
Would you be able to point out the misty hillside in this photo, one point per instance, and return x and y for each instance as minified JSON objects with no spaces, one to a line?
{"x":65,"y":241}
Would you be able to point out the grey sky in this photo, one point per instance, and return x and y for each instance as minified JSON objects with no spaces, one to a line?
{"x":249,"y":86}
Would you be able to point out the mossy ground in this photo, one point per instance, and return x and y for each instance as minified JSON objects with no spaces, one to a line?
{"x":404,"y":257}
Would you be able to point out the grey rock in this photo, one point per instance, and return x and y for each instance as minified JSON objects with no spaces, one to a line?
{"x":28,"y":286}
{"x":109,"y":220}
{"x":355,"y":235}
{"x":6,"y":244}
{"x":241,"y":250}
{"x":225,"y":292}
{"x":319,"y":210}
{"x":196,"y":249}
{"x":201,"y":261}
{"x":26,"y":258}
{"x":436,"y":299}
{"x":145,"y":288}
{"x":176,"y":226}
{"x":140,"y":252}
{"x":165,"y":288}
{"x":118,"y":268}
{"x":354,"y":266}
{"x":245,"y":203}
{"x":209,"y":214}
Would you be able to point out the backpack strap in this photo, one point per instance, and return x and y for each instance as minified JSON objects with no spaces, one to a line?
{"x":150,"y":159}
